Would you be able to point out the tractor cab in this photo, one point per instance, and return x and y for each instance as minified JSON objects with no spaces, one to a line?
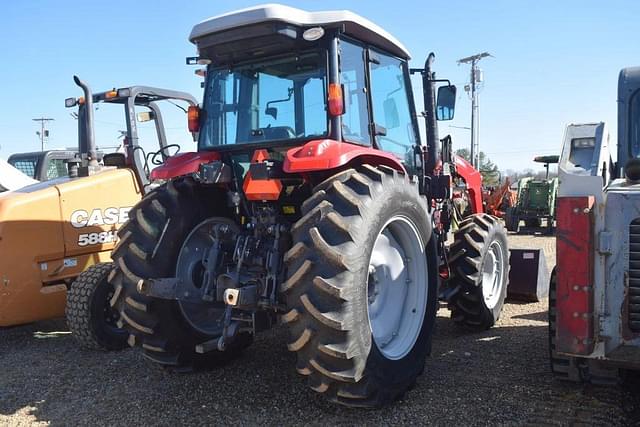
{"x":279,"y":77}
{"x":535,"y":200}
{"x":43,"y":165}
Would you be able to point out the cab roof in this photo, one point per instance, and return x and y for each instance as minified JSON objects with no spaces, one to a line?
{"x":354,"y":25}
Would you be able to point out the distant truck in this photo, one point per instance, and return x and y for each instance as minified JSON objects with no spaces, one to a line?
{"x":43,"y":165}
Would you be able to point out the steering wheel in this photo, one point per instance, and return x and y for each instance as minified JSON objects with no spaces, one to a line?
{"x":163,"y":152}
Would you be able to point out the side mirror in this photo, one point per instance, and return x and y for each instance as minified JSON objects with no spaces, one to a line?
{"x":446,"y":103}
{"x":272,"y":111}
{"x":391,"y":118}
{"x":146,"y":116}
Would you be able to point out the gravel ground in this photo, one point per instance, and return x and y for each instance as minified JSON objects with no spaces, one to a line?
{"x":497,"y":377}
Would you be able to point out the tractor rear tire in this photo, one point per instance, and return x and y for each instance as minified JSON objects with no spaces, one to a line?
{"x":550,"y":225}
{"x":149,"y":246}
{"x":533,"y":223}
{"x":334,"y":283}
{"x":512,"y":220}
{"x":479,"y":262}
{"x":90,"y":317}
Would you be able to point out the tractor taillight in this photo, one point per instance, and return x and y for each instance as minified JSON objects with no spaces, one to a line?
{"x":193,"y":116}
{"x":336,"y":102}
{"x":574,"y":292}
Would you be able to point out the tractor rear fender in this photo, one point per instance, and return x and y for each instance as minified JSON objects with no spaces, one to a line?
{"x":326,"y":154}
{"x":183,"y":164}
{"x":314,"y":156}
{"x":473,"y":179}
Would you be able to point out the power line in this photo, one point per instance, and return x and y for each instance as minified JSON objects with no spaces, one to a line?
{"x":546,"y":150}
{"x":43,"y":133}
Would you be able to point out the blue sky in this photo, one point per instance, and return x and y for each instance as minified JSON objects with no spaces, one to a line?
{"x":556,"y":62}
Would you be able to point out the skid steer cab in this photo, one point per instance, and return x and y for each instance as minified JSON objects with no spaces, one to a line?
{"x":56,"y":236}
{"x":312,"y":202}
{"x":594,"y":304}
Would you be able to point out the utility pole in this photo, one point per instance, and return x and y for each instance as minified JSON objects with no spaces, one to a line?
{"x":476,"y":77}
{"x":43,"y":132}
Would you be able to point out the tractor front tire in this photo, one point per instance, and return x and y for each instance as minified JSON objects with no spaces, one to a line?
{"x":149,"y":246}
{"x":89,"y":315}
{"x":363,"y":231}
{"x":479,"y":262}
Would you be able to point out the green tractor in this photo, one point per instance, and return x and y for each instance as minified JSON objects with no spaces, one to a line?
{"x":536,"y":200}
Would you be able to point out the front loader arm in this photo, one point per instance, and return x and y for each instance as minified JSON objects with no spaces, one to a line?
{"x":473,"y":179}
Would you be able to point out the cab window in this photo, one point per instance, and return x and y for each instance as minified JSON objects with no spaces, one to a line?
{"x":56,"y":168}
{"x":391,"y":112}
{"x":355,"y":120}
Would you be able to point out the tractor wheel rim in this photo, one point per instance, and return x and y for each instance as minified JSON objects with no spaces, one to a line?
{"x":492,"y":275}
{"x":204,"y":317}
{"x":397,"y":293}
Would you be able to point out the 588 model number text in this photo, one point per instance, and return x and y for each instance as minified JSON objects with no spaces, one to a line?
{"x":97,"y":238}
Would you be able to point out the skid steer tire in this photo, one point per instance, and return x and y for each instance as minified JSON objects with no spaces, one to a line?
{"x":149,"y":246}
{"x":479,"y":247}
{"x":571,"y":368}
{"x":329,"y":276}
{"x":90,"y":317}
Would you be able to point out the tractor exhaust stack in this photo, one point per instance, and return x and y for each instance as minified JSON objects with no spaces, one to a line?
{"x":87,"y":136}
{"x":429,"y":88}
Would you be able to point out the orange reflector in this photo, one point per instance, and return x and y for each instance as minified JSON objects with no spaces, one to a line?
{"x":81,"y":100}
{"x":336,"y":103}
{"x":193,"y":116}
{"x":261,"y":189}
{"x":111,"y":94}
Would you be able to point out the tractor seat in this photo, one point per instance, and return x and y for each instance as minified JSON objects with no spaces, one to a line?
{"x":115,"y":159}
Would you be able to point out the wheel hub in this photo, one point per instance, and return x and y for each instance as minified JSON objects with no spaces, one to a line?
{"x":492,"y":275}
{"x":196,"y":270}
{"x":396,"y":292}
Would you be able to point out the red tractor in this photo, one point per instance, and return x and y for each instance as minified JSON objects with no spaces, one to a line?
{"x":313,"y":202}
